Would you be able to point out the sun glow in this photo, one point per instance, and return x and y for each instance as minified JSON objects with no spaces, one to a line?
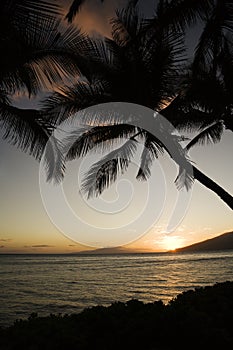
{"x":172,"y":242}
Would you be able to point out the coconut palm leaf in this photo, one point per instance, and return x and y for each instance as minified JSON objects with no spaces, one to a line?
{"x":4,"y":98}
{"x":80,"y":142}
{"x":180,"y":14}
{"x":17,"y":11}
{"x":126,"y":25}
{"x":163,"y":55}
{"x":213,"y":35}
{"x":71,"y":99}
{"x":104,"y":172}
{"x":54,"y":160}
{"x":212,"y":134}
{"x":44,"y":55}
{"x":184,"y":114}
{"x":25,"y":129}
{"x":152,"y":148}
{"x":21,"y":7}
{"x":74,"y":9}
{"x":100,"y":138}
{"x":225,"y":63}
{"x":201,"y":102}
{"x":119,"y":33}
{"x":103,"y":59}
{"x":184,"y":179}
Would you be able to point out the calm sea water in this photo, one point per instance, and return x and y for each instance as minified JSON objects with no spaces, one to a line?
{"x":66,"y":284}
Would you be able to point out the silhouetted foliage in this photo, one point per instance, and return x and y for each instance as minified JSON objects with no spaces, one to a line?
{"x":196,"y":319}
{"x":144,"y":62}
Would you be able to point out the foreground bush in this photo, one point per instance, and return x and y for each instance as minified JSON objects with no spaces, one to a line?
{"x":200,"y":318}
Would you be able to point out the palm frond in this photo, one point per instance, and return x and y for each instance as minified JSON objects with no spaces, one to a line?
{"x":104,"y":172}
{"x":126,"y":25}
{"x":184,"y":13}
{"x":152,"y":148}
{"x":101,"y":138}
{"x":56,"y":53}
{"x":184,"y":179}
{"x":79,"y":143}
{"x":35,"y":7}
{"x":185,"y":115}
{"x":46,"y":54}
{"x":74,"y":9}
{"x":23,"y":12}
{"x":163,"y":56}
{"x":170,"y":142}
{"x":212,"y":39}
{"x":178,"y":15}
{"x":24,"y":129}
{"x":4,"y":98}
{"x":205,"y":52}
{"x":207,"y":93}
{"x":72,"y":99}
{"x":103,"y":57}
{"x":225,"y":61}
{"x":119,"y":33}
{"x":212,"y":134}
{"x":54,"y":160}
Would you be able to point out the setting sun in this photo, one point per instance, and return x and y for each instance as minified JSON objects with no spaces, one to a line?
{"x":172,"y":242}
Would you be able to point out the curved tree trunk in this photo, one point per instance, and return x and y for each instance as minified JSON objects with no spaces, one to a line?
{"x":213,"y":186}
{"x":207,"y":182}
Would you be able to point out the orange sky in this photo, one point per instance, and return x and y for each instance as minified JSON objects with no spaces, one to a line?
{"x":26,"y":227}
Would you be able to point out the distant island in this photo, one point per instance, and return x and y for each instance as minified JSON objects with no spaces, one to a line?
{"x":114,"y":250}
{"x":222,"y":242}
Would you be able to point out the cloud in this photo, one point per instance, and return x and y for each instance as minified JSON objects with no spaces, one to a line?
{"x":5,"y":239}
{"x":42,"y":246}
{"x":95,"y":16}
{"x":2,"y":246}
{"x":39,"y":246}
{"x":72,"y":245}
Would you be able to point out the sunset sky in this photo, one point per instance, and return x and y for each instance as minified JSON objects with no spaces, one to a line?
{"x":25,"y":227}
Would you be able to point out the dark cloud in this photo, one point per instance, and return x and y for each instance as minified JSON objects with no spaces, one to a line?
{"x":39,"y":246}
{"x":42,"y":246}
{"x":2,"y":246}
{"x":5,"y":239}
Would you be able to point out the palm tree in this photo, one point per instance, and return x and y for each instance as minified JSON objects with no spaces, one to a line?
{"x":207,"y":84}
{"x":140,"y":55}
{"x":36,"y":54}
{"x":144,"y":64}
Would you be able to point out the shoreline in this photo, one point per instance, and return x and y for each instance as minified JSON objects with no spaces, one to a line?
{"x":202,"y":316}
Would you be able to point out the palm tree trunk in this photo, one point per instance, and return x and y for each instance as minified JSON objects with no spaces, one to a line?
{"x":206,"y":181}
{"x":213,"y":186}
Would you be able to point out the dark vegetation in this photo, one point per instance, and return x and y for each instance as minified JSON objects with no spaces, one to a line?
{"x":200,"y":319}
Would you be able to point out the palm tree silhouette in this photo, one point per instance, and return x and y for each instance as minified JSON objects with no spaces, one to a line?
{"x":144,"y":64}
{"x":36,"y":54}
{"x":207,"y":84}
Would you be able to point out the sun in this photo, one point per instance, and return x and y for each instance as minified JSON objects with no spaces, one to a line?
{"x":172,"y":242}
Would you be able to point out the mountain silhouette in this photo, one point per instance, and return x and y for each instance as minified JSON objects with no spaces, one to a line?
{"x":100,"y":251}
{"x":222,"y":242}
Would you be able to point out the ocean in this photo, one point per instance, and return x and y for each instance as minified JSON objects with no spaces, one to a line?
{"x":67,"y":284}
